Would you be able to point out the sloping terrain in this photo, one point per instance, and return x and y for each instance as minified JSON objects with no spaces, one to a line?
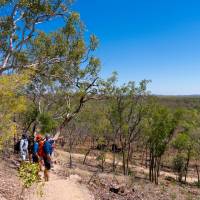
{"x":81,"y":183}
{"x":10,"y":187}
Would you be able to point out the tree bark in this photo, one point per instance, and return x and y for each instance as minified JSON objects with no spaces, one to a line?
{"x":187,"y":165}
{"x":146,"y":159}
{"x":198,"y":175}
{"x":128,"y":158}
{"x":87,"y":153}
{"x":113,"y":164}
{"x":124,"y":161}
{"x":70,"y":160}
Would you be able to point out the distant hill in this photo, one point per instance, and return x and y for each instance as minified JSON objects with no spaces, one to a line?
{"x":187,"y":96}
{"x":180,"y":101}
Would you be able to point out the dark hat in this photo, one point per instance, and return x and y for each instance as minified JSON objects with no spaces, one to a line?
{"x":24,"y":136}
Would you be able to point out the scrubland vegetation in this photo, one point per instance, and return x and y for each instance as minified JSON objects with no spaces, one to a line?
{"x":52,"y":81}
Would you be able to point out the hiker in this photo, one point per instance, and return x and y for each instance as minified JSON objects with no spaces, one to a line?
{"x":30,"y":147}
{"x":47,"y":148}
{"x":24,"y":147}
{"x":35,"y":156}
{"x":52,"y":142}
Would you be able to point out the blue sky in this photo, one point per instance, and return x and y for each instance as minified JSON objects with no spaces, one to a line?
{"x":157,"y":40}
{"x":148,"y":39}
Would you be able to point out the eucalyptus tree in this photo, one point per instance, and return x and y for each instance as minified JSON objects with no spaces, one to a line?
{"x":126,"y":114}
{"x":73,"y":136}
{"x":69,"y":78}
{"x":66,"y":73}
{"x":93,"y":119}
{"x":196,"y":137}
{"x":186,"y":142}
{"x":161,"y":125}
{"x":19,"y":22}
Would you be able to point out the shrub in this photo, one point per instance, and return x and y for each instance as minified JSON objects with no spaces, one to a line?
{"x":29,"y":174}
{"x":178,"y":166}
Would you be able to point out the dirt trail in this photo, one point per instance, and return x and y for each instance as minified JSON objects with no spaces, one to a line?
{"x":61,"y":189}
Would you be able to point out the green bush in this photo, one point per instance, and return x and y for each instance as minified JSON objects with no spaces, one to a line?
{"x":178,"y":166}
{"x":29,"y":174}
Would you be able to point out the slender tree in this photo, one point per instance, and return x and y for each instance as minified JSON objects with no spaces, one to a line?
{"x":162,"y":124}
{"x":126,"y":115}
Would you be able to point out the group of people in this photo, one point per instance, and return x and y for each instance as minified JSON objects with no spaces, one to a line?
{"x":38,"y":150}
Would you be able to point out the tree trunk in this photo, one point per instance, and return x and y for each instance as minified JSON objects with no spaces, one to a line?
{"x":113,"y":164}
{"x":70,"y":155}
{"x":180,"y":175}
{"x":124,"y":161}
{"x":187,"y":165}
{"x":34,"y":127}
{"x":70,"y":160}
{"x":128,"y":158}
{"x":87,"y":153}
{"x":151,"y":167}
{"x":146,"y":159}
{"x":102,"y":164}
{"x":114,"y":154}
{"x":155,"y":170}
{"x":198,"y":175}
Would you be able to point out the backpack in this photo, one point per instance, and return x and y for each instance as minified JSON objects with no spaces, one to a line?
{"x":48,"y":149}
{"x":30,"y":145}
{"x":17,"y":147}
{"x":41,"y":149}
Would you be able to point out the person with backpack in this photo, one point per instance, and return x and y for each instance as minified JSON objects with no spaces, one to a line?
{"x":52,"y":142}
{"x":24,"y":147}
{"x":47,"y":152}
{"x":17,"y":147}
{"x":35,"y":156}
{"x":30,"y":147}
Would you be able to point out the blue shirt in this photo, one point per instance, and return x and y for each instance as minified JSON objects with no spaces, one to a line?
{"x":35,"y":148}
{"x":47,"y":148}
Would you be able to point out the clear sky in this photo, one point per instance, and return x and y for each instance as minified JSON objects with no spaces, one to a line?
{"x":148,"y":39}
{"x":158,"y":40}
